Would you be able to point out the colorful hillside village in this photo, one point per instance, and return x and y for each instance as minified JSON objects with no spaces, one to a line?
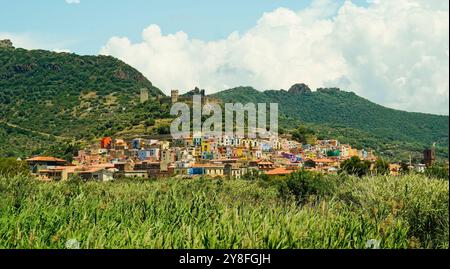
{"x":226,"y":157}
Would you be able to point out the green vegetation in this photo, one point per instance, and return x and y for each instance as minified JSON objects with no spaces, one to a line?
{"x":438,"y":171}
{"x":50,"y":99}
{"x":304,"y":135}
{"x":381,"y":167}
{"x":303,"y":211}
{"x":10,"y":167}
{"x":355,"y":166}
{"x":341,"y":115}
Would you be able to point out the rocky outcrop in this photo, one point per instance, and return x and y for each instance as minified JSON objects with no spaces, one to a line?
{"x":195,"y":91}
{"x":24,"y":68}
{"x":300,"y":88}
{"x":6,"y":44}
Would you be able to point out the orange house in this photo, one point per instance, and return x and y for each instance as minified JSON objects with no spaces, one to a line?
{"x":106,"y":143}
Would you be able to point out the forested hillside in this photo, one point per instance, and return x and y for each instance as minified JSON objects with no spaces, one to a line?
{"x":48,"y":98}
{"x":344,"y":115}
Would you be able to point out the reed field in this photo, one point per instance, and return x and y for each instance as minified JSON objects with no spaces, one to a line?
{"x":304,"y":211}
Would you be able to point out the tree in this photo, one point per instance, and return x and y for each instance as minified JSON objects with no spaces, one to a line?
{"x":382,"y":167}
{"x":310,"y":164}
{"x":404,"y":168}
{"x":304,"y":184}
{"x":66,"y":151}
{"x":304,"y":135}
{"x":10,"y":167}
{"x":163,"y":130}
{"x":355,"y":166}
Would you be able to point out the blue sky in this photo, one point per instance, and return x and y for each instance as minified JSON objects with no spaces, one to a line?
{"x":85,"y":27}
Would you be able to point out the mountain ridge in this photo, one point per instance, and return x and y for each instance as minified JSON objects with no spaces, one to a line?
{"x":45,"y":95}
{"x":334,"y":108}
{"x":67,"y":95}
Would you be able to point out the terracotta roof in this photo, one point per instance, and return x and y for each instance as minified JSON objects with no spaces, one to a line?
{"x":279,"y":171}
{"x":90,"y":170}
{"x":105,"y":165}
{"x":49,"y":171}
{"x":265,"y":163}
{"x":324,"y":160}
{"x":45,"y":159}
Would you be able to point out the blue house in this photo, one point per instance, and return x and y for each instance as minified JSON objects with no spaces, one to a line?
{"x":144,"y":154}
{"x":196,"y":171}
{"x":136,"y":143}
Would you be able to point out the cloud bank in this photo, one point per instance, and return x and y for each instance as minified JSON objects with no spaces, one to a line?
{"x":395,"y":53}
{"x":70,"y":2}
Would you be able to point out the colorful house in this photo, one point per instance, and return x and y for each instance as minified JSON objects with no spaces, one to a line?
{"x":106,"y":142}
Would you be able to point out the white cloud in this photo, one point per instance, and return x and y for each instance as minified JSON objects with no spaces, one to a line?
{"x":32,"y":41}
{"x":72,"y":2}
{"x":395,"y":53}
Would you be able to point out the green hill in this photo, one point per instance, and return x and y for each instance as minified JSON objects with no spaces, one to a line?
{"x":49,"y":98}
{"x":350,"y":118}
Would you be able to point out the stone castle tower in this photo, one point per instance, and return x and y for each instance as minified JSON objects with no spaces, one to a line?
{"x":144,"y":95}
{"x":429,"y":156}
{"x":174,"y":96}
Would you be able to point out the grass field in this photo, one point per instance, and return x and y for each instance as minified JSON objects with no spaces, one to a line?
{"x":304,"y":211}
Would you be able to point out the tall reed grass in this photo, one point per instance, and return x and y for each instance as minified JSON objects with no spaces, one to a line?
{"x":403,"y":212}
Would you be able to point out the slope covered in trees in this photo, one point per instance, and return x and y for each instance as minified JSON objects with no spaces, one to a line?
{"x":48,"y":98}
{"x":344,"y":115}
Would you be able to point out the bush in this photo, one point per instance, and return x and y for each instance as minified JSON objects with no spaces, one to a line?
{"x":355,"y":166}
{"x":437,"y":171}
{"x":382,"y":167}
{"x":305,"y":184}
{"x":10,"y":167}
{"x":163,"y":130}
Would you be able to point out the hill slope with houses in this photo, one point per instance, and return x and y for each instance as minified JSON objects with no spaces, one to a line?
{"x":51,"y":101}
{"x":49,"y":98}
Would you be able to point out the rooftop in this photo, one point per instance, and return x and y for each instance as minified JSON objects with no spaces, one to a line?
{"x":46,"y":159}
{"x":279,"y":171}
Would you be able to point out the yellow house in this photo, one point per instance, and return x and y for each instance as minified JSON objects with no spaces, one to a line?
{"x":353,"y":152}
{"x":239,"y":152}
{"x":310,"y":155}
{"x":197,"y":152}
{"x":348,"y":151}
{"x":206,"y":146}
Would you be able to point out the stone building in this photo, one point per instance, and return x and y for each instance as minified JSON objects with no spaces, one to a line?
{"x":429,"y":156}
{"x":144,"y":95}
{"x":174,"y":95}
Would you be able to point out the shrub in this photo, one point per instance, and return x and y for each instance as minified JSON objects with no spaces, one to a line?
{"x":305,"y":184}
{"x":382,"y":167}
{"x":355,"y":166}
{"x":437,"y":171}
{"x":10,"y":167}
